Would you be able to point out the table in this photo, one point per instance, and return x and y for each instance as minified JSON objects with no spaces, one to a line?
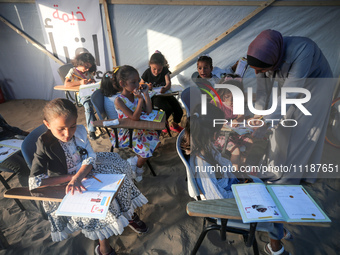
{"x":45,"y":193}
{"x":135,"y":124}
{"x":64,"y":88}
{"x":227,"y":209}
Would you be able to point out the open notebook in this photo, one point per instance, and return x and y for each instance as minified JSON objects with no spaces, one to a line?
{"x":259,"y":202}
{"x":95,"y":201}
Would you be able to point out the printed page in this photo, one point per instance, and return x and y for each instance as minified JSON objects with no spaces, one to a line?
{"x":296,"y":203}
{"x":87,"y":90}
{"x":153,"y":116}
{"x":6,"y":152}
{"x":108,"y":182}
{"x":90,"y":204}
{"x":255,"y":203}
{"x":12,"y":143}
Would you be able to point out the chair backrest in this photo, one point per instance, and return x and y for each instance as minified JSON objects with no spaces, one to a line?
{"x":97,"y":99}
{"x":28,"y":146}
{"x":193,"y":189}
{"x":63,"y":71}
{"x":190,"y":96}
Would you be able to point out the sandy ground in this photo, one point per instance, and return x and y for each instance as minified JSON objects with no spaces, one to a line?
{"x":171,"y":231}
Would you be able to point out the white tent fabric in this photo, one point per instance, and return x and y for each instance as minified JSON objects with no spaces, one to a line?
{"x":177,"y":31}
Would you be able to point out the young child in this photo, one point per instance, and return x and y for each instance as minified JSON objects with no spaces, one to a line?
{"x":133,"y":100}
{"x":207,"y":74}
{"x":64,"y":154}
{"x":81,"y":74}
{"x":158,"y":75}
{"x":238,"y":145}
{"x":200,"y":134}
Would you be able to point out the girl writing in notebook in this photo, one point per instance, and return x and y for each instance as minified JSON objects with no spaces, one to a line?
{"x":64,"y":155}
{"x":158,"y":75}
{"x":133,"y":100}
{"x":200,"y":134}
{"x":82,"y":74}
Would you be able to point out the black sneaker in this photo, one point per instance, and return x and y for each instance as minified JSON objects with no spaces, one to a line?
{"x":137,"y":225}
{"x":93,"y":136}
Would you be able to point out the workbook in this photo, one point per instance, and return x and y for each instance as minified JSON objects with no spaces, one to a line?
{"x":154,"y":115}
{"x":9,"y":147}
{"x":88,"y":89}
{"x":258,"y":202}
{"x":95,"y":201}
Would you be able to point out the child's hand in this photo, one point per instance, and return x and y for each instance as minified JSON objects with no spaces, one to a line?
{"x":163,"y":90}
{"x":83,"y":82}
{"x":149,"y":85}
{"x":138,"y":93}
{"x":75,"y":185}
{"x":143,"y":88}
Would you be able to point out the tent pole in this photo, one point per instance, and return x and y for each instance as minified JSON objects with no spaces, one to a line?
{"x":187,"y":61}
{"x":108,"y":25}
{"x":31,"y":40}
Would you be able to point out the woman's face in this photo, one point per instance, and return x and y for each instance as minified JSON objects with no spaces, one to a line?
{"x":204,"y":69}
{"x":131,"y":83}
{"x":156,"y":69}
{"x":260,"y":69}
{"x":62,"y":127}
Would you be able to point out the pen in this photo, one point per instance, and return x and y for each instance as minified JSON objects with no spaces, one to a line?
{"x":97,"y":179}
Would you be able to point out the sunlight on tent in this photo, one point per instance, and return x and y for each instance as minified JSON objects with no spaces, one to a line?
{"x":171,"y":47}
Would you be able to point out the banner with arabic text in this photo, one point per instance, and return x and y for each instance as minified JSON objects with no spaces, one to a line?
{"x":72,"y":27}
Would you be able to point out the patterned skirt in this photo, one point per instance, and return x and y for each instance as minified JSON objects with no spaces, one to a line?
{"x":120,"y":210}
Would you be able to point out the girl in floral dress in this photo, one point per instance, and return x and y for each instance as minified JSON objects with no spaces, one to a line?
{"x":64,"y":155}
{"x":133,"y":100}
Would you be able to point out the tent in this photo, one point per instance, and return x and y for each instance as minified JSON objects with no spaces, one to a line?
{"x":181,"y":30}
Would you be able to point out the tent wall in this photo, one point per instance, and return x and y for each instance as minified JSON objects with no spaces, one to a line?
{"x":177,"y":31}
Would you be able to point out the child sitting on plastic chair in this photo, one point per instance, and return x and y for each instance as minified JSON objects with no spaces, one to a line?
{"x":200,"y":134}
{"x":82,"y":74}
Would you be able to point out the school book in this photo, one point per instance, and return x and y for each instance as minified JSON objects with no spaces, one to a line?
{"x":157,"y":91}
{"x":241,"y":67}
{"x":9,"y":147}
{"x":258,"y":202}
{"x":95,"y":201}
{"x":155,"y":116}
{"x":88,"y":89}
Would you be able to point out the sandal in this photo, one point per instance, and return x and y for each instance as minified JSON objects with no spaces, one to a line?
{"x":137,"y":225}
{"x":268,"y":250}
{"x":287,"y":235}
{"x":97,"y":251}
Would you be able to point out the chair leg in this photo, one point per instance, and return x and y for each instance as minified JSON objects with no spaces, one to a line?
{"x":3,"y":241}
{"x":4,"y":182}
{"x":151,"y":169}
{"x":255,"y":247}
{"x":251,"y":236}
{"x":202,"y":236}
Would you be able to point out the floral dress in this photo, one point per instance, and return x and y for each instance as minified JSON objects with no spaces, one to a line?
{"x":120,"y":210}
{"x":144,"y":141}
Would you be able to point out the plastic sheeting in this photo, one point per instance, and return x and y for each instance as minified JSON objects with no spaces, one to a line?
{"x":177,"y":31}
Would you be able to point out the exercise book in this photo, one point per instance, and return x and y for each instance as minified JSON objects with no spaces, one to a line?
{"x":95,"y":201}
{"x":258,"y":202}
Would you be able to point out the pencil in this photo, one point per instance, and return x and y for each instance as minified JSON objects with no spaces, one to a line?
{"x":97,"y":179}
{"x":77,"y":76}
